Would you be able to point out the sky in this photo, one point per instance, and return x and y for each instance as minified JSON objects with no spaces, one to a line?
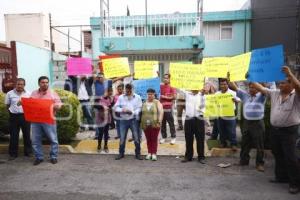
{"x":70,"y":12}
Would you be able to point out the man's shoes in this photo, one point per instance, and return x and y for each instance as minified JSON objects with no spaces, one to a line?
{"x":234,"y":148}
{"x":148,"y":157}
{"x":173,"y":141}
{"x":138,"y":157}
{"x":12,"y":158}
{"x":293,"y":189}
{"x":180,"y":128}
{"x":162,"y":140}
{"x":202,"y":160}
{"x":154,"y":157}
{"x":53,"y":160}
{"x":119,"y":157}
{"x":260,"y":168}
{"x":275,"y":180}
{"x":106,"y":149}
{"x":37,"y":161}
{"x":184,"y":160}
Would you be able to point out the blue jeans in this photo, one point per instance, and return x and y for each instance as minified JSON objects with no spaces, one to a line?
{"x":227,"y":130}
{"x":87,"y":112}
{"x":118,"y":127}
{"x":133,"y":125}
{"x":38,"y":130}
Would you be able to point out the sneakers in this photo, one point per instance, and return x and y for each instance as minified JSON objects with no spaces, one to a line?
{"x":260,"y":168}
{"x":173,"y":141}
{"x":154,"y":157}
{"x":162,"y":140}
{"x":148,"y":157}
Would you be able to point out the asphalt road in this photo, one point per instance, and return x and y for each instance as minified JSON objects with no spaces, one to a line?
{"x":94,"y":177}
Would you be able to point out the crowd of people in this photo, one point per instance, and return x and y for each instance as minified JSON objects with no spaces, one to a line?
{"x":127,"y":111}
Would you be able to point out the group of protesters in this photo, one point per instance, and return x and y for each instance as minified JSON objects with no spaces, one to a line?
{"x":127,"y":111}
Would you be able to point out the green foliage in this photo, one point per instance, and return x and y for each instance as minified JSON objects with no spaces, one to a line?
{"x":67,"y":129}
{"x":4,"y":115}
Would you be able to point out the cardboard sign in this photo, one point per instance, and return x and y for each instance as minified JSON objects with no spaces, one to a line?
{"x":141,"y":87}
{"x":266,"y":64}
{"x":79,"y":66}
{"x":187,"y":76}
{"x":216,"y":67}
{"x":145,"y":69}
{"x":238,"y":66}
{"x":38,"y":110}
{"x":115,"y":67}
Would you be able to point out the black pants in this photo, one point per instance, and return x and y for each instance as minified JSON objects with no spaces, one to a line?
{"x":180,"y":108}
{"x":17,"y":122}
{"x":194,"y":126}
{"x":283,"y":141}
{"x":253,"y":136}
{"x":168,"y":117}
{"x":103,"y":132}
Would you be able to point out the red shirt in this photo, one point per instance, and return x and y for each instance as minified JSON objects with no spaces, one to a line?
{"x":167,"y":90}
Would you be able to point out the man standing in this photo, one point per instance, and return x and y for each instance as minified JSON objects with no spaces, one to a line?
{"x":17,"y":120}
{"x":38,"y":129}
{"x":253,"y":125}
{"x":129,"y":107}
{"x":227,"y":125}
{"x":285,"y":120}
{"x":167,"y":95}
{"x":83,"y":89}
{"x":194,"y":125}
{"x":180,"y":105}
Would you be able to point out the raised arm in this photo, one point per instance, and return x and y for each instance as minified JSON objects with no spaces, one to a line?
{"x":233,"y":86}
{"x":260,"y":88}
{"x":292,"y":78}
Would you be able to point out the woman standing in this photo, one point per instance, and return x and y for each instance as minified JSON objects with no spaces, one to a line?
{"x":152,"y":115}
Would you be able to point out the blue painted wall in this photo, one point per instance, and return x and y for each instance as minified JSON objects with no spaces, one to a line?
{"x":34,"y":62}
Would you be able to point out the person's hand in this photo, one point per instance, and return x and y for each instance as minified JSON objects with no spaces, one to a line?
{"x":287,"y":71}
{"x":19,"y":103}
{"x":234,"y":100}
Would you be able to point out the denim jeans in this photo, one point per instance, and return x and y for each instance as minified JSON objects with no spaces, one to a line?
{"x":118,"y":127}
{"x":227,"y":130}
{"x":131,"y":124}
{"x":38,"y":130}
{"x":87,"y":112}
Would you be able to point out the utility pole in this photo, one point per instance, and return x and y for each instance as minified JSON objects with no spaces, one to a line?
{"x":51,"y":37}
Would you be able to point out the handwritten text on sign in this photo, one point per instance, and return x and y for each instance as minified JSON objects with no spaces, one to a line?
{"x":115,"y":67}
{"x":216,"y":67}
{"x":38,"y":110}
{"x":145,"y":69}
{"x":79,"y":66}
{"x":187,"y":76}
{"x":266,"y":64}
{"x":238,"y":66}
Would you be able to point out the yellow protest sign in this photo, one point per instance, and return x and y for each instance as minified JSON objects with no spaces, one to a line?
{"x":145,"y":69}
{"x":216,"y":67}
{"x":187,"y":76}
{"x":219,"y":105}
{"x":226,"y":105}
{"x":115,"y":67}
{"x":211,"y":106}
{"x":238,"y":66}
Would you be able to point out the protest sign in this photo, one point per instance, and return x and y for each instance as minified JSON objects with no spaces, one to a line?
{"x":216,"y":67}
{"x":266,"y":64}
{"x":211,"y":106}
{"x":238,"y":66}
{"x":187,"y":76}
{"x":79,"y":66}
{"x":38,"y":110}
{"x":141,"y":87}
{"x":145,"y":69}
{"x":115,"y":67}
{"x":225,"y":105}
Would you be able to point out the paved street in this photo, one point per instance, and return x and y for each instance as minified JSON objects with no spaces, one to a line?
{"x":92,"y":177}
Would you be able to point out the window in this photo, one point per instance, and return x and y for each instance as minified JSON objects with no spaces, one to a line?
{"x":139,"y":31}
{"x":226,"y":31}
{"x":46,"y":43}
{"x":120,"y":30}
{"x":217,"y":30}
{"x":164,"y":30}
